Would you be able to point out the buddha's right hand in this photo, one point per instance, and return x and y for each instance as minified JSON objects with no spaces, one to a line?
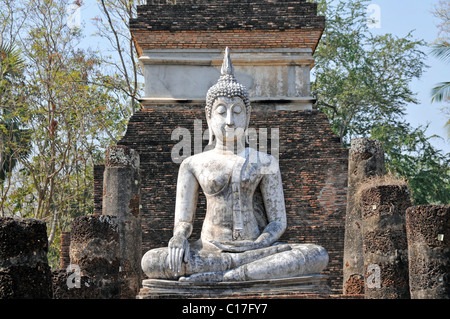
{"x":178,"y":252}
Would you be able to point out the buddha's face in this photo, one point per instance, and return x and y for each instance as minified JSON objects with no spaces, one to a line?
{"x":228,"y":118}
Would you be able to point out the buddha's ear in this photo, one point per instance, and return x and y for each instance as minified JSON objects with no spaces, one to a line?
{"x":211,"y":137}
{"x":210,"y":131}
{"x":249,"y":111}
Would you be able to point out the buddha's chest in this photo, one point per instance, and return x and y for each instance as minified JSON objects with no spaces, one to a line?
{"x":219,"y":176}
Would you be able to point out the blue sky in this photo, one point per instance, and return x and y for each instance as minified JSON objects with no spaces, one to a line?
{"x":398,"y":17}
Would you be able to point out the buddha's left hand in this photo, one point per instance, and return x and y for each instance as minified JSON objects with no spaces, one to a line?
{"x":238,"y":246}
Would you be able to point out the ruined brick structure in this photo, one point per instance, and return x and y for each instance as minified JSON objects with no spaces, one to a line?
{"x":215,"y":24}
{"x":366,"y":160}
{"x":95,"y":249}
{"x":65,"y":247}
{"x":24,"y":269}
{"x":384,"y":241}
{"x":428,"y":230}
{"x":272,"y":45}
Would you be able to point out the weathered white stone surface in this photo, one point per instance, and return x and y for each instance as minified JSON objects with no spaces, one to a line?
{"x":270,"y":75}
{"x":245,"y":214}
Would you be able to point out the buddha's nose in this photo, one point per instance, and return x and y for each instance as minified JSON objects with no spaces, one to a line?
{"x":230,"y":118}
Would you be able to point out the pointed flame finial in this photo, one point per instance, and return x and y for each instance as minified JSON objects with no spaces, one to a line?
{"x":226,"y":86}
{"x":227,"y":66}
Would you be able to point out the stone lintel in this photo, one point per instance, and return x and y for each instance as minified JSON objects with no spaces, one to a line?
{"x":214,"y":57}
{"x":280,"y":77}
{"x":272,"y":104}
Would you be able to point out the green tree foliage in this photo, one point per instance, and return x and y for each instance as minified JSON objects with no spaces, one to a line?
{"x":410,"y":154}
{"x":14,"y":138}
{"x":113,"y":25}
{"x":72,"y":111}
{"x":361,"y":81}
{"x":441,"y":50}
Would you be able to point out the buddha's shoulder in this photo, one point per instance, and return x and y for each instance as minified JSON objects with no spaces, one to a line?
{"x":199,"y":158}
{"x":260,"y":158}
{"x":252,"y":155}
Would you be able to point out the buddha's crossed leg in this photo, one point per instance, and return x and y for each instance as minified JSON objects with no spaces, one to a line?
{"x":277,"y":261}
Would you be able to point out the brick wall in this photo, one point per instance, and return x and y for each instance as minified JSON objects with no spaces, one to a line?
{"x":98,"y":188}
{"x":237,"y":39}
{"x":247,"y":24}
{"x":312,"y":161}
{"x":65,"y":250}
{"x":209,"y":15}
{"x":24,"y":269}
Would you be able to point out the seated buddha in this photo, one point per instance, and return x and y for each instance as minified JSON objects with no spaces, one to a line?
{"x":245,"y":214}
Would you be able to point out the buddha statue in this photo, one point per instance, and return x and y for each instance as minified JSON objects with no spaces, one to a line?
{"x":245,"y":215}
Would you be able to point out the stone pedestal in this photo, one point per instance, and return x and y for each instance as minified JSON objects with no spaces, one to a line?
{"x":428,"y":229}
{"x":366,"y":159}
{"x":24,"y":269}
{"x":121,"y":198}
{"x":384,"y":241}
{"x":168,"y":289}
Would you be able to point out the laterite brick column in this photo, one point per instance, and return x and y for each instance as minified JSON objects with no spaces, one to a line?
{"x":121,"y":198}
{"x":65,"y":249}
{"x":384,"y":241}
{"x":99,"y":170}
{"x":366,"y":159}
{"x":24,"y":269}
{"x":428,"y":229}
{"x":95,"y":248}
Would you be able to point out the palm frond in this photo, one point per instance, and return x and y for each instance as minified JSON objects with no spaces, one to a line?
{"x":447,"y":126}
{"x":441,"y":51}
{"x":440,"y":92}
{"x":11,"y":61}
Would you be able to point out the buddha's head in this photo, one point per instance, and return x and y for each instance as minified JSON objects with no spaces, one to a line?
{"x":227,"y":105}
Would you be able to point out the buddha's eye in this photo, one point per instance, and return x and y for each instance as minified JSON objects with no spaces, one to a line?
{"x":237,"y":109}
{"x":221,"y":109}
